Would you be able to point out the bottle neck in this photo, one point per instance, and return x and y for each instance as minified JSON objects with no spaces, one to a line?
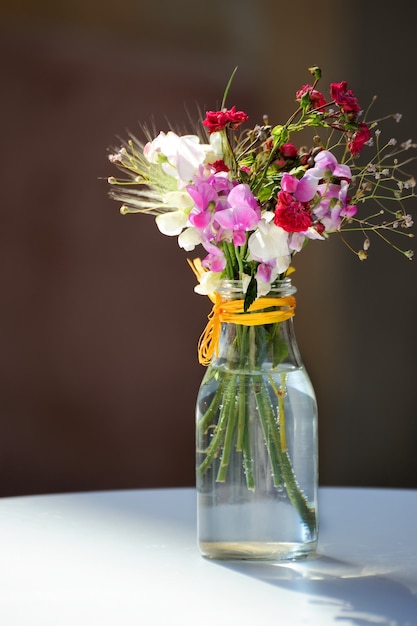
{"x":261,"y":337}
{"x":233,"y":289}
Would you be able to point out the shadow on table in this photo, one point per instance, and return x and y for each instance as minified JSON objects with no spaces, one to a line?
{"x":363,"y":595}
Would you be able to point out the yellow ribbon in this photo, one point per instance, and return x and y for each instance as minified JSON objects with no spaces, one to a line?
{"x":232,"y":312}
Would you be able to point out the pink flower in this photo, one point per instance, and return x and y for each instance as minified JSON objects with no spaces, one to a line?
{"x":204,"y":197}
{"x":215,"y":260}
{"x":333,"y":205}
{"x":289,"y":183}
{"x":209,"y":193}
{"x":304,"y":189}
{"x":264,"y":271}
{"x":327,"y":163}
{"x":218,"y":120}
{"x":241,"y":215}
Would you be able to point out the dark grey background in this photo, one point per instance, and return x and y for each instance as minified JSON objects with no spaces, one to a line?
{"x":99,"y":321}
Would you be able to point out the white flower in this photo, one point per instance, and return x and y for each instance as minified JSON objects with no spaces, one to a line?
{"x":270,"y":242}
{"x":264,"y":287}
{"x":214,"y":150}
{"x":179,"y":156}
{"x":172,"y":223}
{"x":189,"y":239}
{"x":178,"y":199}
{"x":245,"y":282}
{"x":209,"y":283}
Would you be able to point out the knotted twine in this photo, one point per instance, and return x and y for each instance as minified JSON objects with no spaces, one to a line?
{"x":232,"y":312}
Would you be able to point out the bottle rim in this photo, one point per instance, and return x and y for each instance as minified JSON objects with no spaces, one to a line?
{"x":228,"y":286}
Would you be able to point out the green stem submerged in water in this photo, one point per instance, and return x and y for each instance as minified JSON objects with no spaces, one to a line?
{"x":227,"y":416}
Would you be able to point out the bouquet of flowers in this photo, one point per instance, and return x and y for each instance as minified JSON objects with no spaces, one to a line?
{"x":251,"y":200}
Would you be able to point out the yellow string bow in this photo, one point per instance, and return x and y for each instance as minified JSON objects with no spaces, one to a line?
{"x":232,"y":312}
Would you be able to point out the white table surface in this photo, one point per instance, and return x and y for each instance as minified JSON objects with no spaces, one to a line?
{"x":125,"y":558}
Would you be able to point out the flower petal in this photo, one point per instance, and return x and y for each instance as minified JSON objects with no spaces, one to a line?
{"x":306,"y":188}
{"x":189,"y":239}
{"x":179,"y":199}
{"x":172,"y":222}
{"x":209,"y":283}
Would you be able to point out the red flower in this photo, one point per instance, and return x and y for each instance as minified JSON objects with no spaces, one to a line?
{"x":215,"y":121}
{"x":220,"y":166}
{"x":317,"y":100}
{"x":218,"y":120}
{"x":358,"y":139}
{"x":291,"y":215}
{"x":319,"y":227}
{"x":288,"y":150}
{"x":344,"y":98}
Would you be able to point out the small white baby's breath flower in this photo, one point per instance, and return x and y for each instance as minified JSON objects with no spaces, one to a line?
{"x":406,"y":145}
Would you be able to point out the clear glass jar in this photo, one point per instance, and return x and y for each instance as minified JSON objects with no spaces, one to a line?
{"x":256,"y":439}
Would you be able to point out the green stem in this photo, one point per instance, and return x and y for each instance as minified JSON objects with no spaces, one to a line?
{"x":281,"y":458}
{"x":268,"y":429}
{"x":241,"y":410}
{"x":231,"y":267}
{"x":220,"y":430}
{"x":280,"y":393}
{"x":230,"y":432}
{"x":248,"y":462}
{"x":295,"y":494}
{"x":208,"y":418}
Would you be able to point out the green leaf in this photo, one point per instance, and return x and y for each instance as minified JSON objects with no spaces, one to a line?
{"x":226,"y":91}
{"x":266,"y":192}
{"x":279,"y":348}
{"x":280,"y":135}
{"x":305,"y":100}
{"x":316,"y":119}
{"x":251,"y":293}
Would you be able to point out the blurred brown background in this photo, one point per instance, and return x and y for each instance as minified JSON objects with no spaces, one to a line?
{"x":99,"y":321}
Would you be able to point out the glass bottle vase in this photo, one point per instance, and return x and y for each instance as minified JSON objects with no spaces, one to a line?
{"x":256,"y":435}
